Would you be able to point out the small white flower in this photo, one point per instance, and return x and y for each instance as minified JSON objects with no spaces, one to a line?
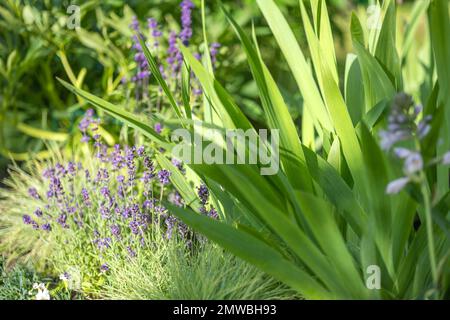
{"x":43,"y":295}
{"x":396,"y":186}
{"x":42,"y":292}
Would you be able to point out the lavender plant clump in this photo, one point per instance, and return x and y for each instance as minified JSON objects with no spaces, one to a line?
{"x":121,"y":199}
{"x":170,"y":60}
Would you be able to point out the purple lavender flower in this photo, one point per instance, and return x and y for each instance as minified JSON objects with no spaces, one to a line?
{"x":33,"y":193}
{"x":186,"y":21}
{"x":160,"y":210}
{"x":142,"y":74}
{"x":27,"y":219}
{"x":153,"y":26}
{"x":84,"y":124}
{"x":173,"y":54}
{"x":46,"y":227}
{"x":175,"y":198}
{"x":170,"y":224}
{"x":214,"y":50}
{"x":126,"y":213}
{"x":48,"y":173}
{"x":38,"y":212}
{"x":105,"y":212}
{"x":158,"y":127}
{"x":177,"y":163}
{"x":55,"y":188}
{"x":87,"y":175}
{"x":104,"y":191}
{"x":103,"y":243}
{"x":203,"y":193}
{"x":134,"y":226}
{"x":163,"y":176}
{"x":213,"y":213}
{"x":85,"y":195}
{"x":134,"y":23}
{"x":35,"y":225}
{"x":148,"y":163}
{"x":131,"y":252}
{"x":104,"y":268}
{"x":60,"y":170}
{"x":71,"y":168}
{"x":140,"y":151}
{"x":115,"y":230}
{"x":147,"y":176}
{"x":62,"y":219}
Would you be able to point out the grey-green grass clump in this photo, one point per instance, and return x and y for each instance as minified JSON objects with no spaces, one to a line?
{"x":172,"y":272}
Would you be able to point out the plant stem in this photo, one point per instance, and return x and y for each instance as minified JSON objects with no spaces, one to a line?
{"x":429,"y":226}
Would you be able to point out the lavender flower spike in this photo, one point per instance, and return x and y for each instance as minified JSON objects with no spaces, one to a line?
{"x":214,"y":50}
{"x":203,"y":193}
{"x":186,"y":21}
{"x":156,"y":33}
{"x":163,"y":176}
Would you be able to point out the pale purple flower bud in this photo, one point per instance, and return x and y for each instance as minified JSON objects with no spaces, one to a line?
{"x":402,"y":153}
{"x":413,"y":163}
{"x":446,"y":158}
{"x":397,"y":185}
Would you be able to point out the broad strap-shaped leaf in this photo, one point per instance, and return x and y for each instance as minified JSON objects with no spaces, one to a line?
{"x":230,"y":114}
{"x":324,"y":33}
{"x":297,"y":63}
{"x":417,"y":12}
{"x":377,"y":85}
{"x":277,"y":113}
{"x":319,"y":214}
{"x":354,"y":88}
{"x":440,"y":31}
{"x":386,"y":50}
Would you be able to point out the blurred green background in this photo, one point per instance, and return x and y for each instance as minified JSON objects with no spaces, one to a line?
{"x":36,"y":46}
